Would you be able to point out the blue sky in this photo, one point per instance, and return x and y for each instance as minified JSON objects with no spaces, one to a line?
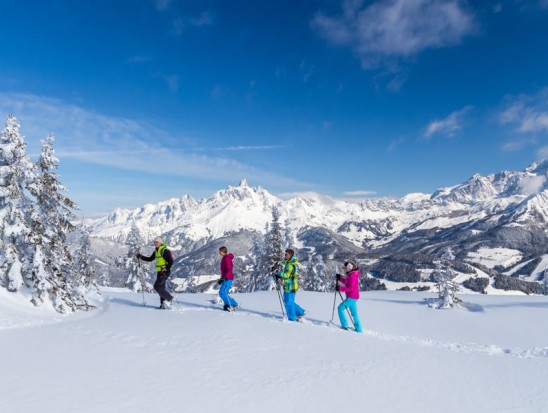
{"x":153,"y":99}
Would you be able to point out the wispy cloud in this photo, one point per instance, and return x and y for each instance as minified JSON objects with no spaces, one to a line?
{"x":542,"y":153}
{"x":386,"y":31}
{"x":181,"y":23}
{"x":123,"y":143}
{"x":252,"y":148}
{"x":394,"y":144}
{"x":172,"y":82}
{"x":359,"y":193}
{"x":527,"y":113}
{"x":162,"y":5}
{"x":138,"y":59}
{"x":447,"y":126}
{"x":518,"y":144}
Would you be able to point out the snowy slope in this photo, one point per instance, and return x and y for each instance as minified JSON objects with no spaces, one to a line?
{"x":490,"y":357}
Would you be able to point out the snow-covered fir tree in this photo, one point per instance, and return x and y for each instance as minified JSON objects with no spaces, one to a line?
{"x":445,"y":282}
{"x":104,"y":279}
{"x":274,"y":240}
{"x":137,"y":275}
{"x":83,"y":262}
{"x":545,"y":282}
{"x":268,"y":254}
{"x":315,"y":276}
{"x":259,"y":276}
{"x":34,"y":219}
{"x":16,"y":172}
{"x":52,"y":222}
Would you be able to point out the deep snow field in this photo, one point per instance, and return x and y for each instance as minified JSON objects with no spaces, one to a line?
{"x":490,"y":356}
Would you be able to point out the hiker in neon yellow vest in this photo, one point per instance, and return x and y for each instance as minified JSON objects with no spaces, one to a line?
{"x":164,"y":261}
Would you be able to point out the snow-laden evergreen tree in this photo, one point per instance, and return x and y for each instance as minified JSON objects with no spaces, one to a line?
{"x":83,"y":262}
{"x":445,"y":282}
{"x":274,"y":241}
{"x":259,"y":276}
{"x":137,"y":275}
{"x":104,"y":279}
{"x":545,"y":282}
{"x":315,"y":276}
{"x":34,"y":220}
{"x":51,"y":222}
{"x":16,"y":172}
{"x":268,"y":255}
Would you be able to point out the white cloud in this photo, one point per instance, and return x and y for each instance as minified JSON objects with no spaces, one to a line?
{"x":359,"y":193}
{"x":447,"y":126}
{"x":119,"y":142}
{"x":542,"y":153}
{"x":389,"y":30}
{"x":518,"y":144}
{"x":180,"y":23}
{"x":528,"y":113}
{"x":533,"y":185}
{"x":162,"y":4}
{"x":395,"y":143}
{"x":252,"y":148}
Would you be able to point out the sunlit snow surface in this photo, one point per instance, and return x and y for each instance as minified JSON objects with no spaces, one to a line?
{"x":491,"y":355}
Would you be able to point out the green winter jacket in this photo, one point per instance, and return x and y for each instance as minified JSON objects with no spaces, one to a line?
{"x":289,"y":275}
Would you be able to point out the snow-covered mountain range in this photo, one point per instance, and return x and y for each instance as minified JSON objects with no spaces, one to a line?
{"x":501,"y":215}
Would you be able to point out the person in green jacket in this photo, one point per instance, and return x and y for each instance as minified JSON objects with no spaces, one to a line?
{"x":288,"y":276}
{"x":164,"y":261}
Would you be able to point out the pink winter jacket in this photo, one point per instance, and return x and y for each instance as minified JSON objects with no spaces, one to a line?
{"x":351,"y":284}
{"x":226,"y":267}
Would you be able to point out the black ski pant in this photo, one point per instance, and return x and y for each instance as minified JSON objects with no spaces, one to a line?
{"x":160,"y":287}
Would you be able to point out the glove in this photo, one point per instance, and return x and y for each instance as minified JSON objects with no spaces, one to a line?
{"x":220,"y":281}
{"x":338,"y":276}
{"x":139,"y":256}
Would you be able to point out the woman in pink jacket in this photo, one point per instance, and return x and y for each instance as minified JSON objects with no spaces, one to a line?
{"x":227,"y":276}
{"x":349,"y":284}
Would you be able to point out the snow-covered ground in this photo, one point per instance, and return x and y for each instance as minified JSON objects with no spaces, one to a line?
{"x":491,"y":257}
{"x":489,"y":356}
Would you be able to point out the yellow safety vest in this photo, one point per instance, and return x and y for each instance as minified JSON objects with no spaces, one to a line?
{"x":161,"y":263}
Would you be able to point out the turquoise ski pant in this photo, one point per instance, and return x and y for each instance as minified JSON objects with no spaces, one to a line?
{"x":223,"y":293}
{"x":292,"y":309}
{"x":352,"y":305}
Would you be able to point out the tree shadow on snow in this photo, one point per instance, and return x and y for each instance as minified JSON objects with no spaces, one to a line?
{"x":520,"y":304}
{"x":241,"y":310}
{"x":130,"y":303}
{"x":420,"y":302}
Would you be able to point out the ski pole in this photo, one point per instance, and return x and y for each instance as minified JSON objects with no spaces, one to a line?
{"x":334,"y":301}
{"x":348,"y":311}
{"x":279,"y":296}
{"x":141,"y":278}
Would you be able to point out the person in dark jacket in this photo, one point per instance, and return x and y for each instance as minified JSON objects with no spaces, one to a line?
{"x":227,"y":277}
{"x":164,"y":261}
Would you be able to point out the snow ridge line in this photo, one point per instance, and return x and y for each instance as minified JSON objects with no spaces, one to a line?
{"x":487,"y":349}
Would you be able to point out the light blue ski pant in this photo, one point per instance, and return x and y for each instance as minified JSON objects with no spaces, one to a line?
{"x":223,"y":293}
{"x":292,"y":309}
{"x":352,"y":305}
